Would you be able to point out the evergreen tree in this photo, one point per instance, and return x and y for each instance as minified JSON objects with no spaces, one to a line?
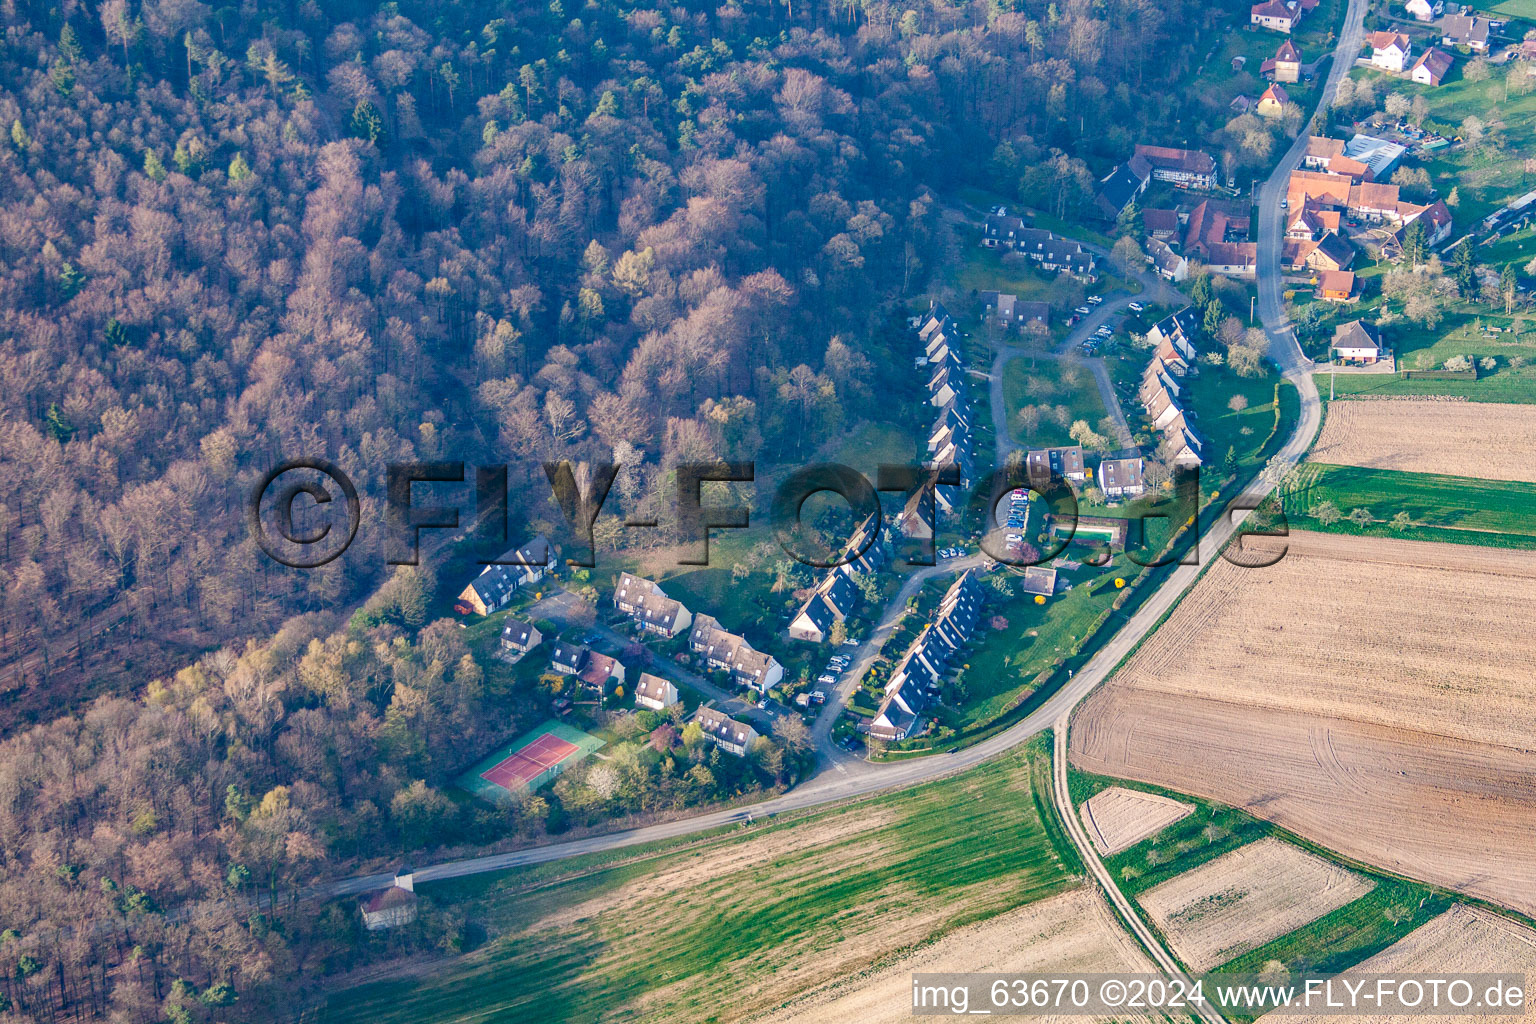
{"x":367,"y":123}
{"x":239,"y":170}
{"x":19,"y":137}
{"x":58,"y":425}
{"x":153,"y":167}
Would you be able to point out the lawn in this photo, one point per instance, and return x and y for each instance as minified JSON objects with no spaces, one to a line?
{"x":682,"y":928}
{"x":1058,"y":384}
{"x":1493,"y":513}
{"x":1505,"y":385}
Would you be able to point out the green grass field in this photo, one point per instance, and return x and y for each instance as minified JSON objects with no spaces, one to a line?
{"x":1043,"y":381}
{"x":1492,"y":513}
{"x":1505,"y":385}
{"x":682,"y":928}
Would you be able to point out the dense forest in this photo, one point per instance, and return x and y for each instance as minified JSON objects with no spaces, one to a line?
{"x":497,"y":232}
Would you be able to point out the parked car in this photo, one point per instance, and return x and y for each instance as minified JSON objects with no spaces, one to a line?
{"x":1136,"y":307}
{"x":762,"y":705}
{"x":819,"y":697}
{"x":1094,"y":300}
{"x":828,"y":678}
{"x":1082,"y":310}
{"x":852,"y":641}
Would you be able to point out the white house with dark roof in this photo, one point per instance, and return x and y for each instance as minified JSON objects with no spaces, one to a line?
{"x":725,"y":732}
{"x":519,"y":637}
{"x":644,"y":601}
{"x":1465,"y":30}
{"x":832,"y":601}
{"x":1357,"y":342}
{"x":568,"y":659}
{"x":1121,"y":478}
{"x":655,"y":693}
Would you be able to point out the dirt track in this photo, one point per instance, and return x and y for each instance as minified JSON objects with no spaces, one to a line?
{"x":1473,"y":439}
{"x":1378,"y":705}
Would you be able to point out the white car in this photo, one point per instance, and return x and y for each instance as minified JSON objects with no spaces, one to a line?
{"x":1082,"y":310}
{"x":827,"y":678}
{"x":1136,"y":307}
{"x":1094,"y":300}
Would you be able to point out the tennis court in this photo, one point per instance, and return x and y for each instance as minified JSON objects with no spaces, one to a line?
{"x":528,"y":762}
{"x":523,"y":766}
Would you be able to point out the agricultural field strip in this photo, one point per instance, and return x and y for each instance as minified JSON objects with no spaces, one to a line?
{"x":1245,"y":898}
{"x":1073,"y":933}
{"x":1466,"y":439}
{"x":1386,"y":641}
{"x":1462,"y":940}
{"x":1118,"y":818}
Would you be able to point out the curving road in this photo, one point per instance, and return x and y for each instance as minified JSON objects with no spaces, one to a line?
{"x":860,"y":778}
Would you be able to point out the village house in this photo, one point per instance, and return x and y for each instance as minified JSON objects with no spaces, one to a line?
{"x":832,"y":601}
{"x":1285,"y":65}
{"x":1279,"y":15}
{"x":1373,"y":202}
{"x":725,"y":732}
{"x":1163,"y":225}
{"x":1120,"y":187}
{"x":1336,"y":285}
{"x":1389,"y":50}
{"x":1319,"y":151}
{"x":729,"y":652}
{"x":1064,"y":463}
{"x":1168,"y":263}
{"x":497,"y":582}
{"x":1357,"y":343}
{"x":1185,"y":168}
{"x":1001,"y":230}
{"x":519,"y":637}
{"x":1177,"y":330}
{"x":1217,"y":233}
{"x":567,"y":658}
{"x":1465,"y":30}
{"x":1062,"y":255}
{"x":1431,"y":67}
{"x":1121,"y":478}
{"x":1009,"y":311}
{"x":655,"y":693}
{"x":650,"y":607}
{"x":1272,"y":101}
{"x":391,"y":907}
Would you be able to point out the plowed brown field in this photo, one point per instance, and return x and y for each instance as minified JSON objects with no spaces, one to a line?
{"x":1375,"y":696}
{"x":1118,"y":818}
{"x":1476,"y":439}
{"x":1242,"y":899}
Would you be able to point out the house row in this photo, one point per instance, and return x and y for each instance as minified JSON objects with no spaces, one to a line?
{"x":914,"y":680}
{"x":1047,"y":250}
{"x":731,"y":653}
{"x":835,"y":596}
{"x":1162,"y":394}
{"x":650,"y":607}
{"x":497,"y":582}
{"x":949,"y":441}
{"x":1185,"y":168}
{"x":1280,"y":15}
